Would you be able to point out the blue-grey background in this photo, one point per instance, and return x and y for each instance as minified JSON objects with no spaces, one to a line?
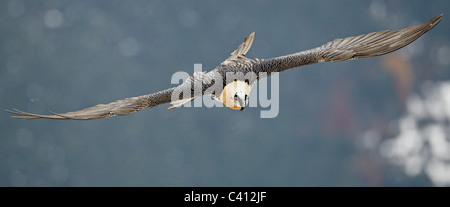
{"x":68,"y":55}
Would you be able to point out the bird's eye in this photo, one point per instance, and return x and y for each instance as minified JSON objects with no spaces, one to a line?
{"x":246,"y":97}
{"x":235,"y":97}
{"x":246,"y":81}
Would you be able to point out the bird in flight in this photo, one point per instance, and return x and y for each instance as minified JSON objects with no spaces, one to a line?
{"x":234,"y":92}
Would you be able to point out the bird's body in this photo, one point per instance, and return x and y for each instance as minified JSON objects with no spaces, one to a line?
{"x":231,"y":81}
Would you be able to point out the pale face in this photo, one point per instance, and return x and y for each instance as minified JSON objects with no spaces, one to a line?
{"x":235,"y":95}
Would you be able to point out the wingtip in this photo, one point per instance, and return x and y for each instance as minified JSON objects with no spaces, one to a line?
{"x":433,"y":22}
{"x":251,"y":36}
{"x":9,"y":111}
{"x":437,"y":19}
{"x":18,"y":112}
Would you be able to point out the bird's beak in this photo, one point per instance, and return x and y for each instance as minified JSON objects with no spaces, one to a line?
{"x":242,"y":108}
{"x":241,"y":99}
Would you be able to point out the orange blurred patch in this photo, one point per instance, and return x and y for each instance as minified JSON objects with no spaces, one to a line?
{"x":400,"y":68}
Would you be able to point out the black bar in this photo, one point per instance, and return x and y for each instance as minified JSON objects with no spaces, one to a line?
{"x":224,"y":196}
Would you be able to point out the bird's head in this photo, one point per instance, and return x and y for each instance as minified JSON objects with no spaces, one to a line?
{"x":235,"y":95}
{"x":240,"y":100}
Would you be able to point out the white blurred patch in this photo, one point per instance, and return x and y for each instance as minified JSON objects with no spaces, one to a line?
{"x":444,"y":94}
{"x":423,"y":142}
{"x":128,"y":47}
{"x":438,"y":172}
{"x":437,"y":141}
{"x":434,"y":101}
{"x":416,"y":107}
{"x":413,"y":165}
{"x":53,"y":18}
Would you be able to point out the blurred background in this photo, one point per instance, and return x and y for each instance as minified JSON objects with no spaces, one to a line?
{"x":382,"y":121}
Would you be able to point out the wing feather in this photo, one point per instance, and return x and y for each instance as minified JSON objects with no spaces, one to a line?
{"x":362,"y":46}
{"x":241,"y":51}
{"x":120,"y":107}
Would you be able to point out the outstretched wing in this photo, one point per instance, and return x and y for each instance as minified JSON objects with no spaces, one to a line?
{"x":120,"y":107}
{"x":186,"y":92}
{"x":363,"y":46}
{"x":241,"y":51}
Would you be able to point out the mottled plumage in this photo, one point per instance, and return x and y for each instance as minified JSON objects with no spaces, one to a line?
{"x":213,"y":82}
